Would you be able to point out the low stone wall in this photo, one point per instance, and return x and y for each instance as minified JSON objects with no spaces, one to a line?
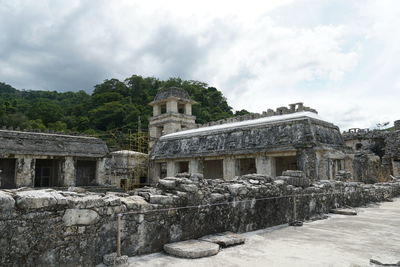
{"x":53,"y":228}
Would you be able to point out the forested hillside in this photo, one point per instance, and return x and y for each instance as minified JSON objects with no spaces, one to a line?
{"x":115,"y":111}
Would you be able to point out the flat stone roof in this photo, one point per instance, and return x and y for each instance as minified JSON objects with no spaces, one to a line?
{"x":267,"y":134}
{"x":47,"y":144}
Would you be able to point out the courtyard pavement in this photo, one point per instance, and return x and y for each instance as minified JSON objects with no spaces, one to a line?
{"x":337,"y":241}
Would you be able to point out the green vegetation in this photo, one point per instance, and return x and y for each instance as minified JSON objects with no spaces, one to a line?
{"x":115,"y":111}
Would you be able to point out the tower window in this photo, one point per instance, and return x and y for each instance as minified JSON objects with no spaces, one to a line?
{"x":163,"y":108}
{"x":181,"y":108}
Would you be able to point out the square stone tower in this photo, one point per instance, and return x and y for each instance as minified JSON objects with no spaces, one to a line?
{"x":172,"y":112}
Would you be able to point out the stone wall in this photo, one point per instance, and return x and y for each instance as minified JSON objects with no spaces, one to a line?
{"x":48,"y":227}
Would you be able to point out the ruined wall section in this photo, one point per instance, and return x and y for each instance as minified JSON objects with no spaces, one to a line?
{"x":53,"y":228}
{"x":293,"y":108}
{"x":376,"y":154}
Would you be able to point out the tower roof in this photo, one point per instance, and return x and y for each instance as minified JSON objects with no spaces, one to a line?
{"x":172,"y":92}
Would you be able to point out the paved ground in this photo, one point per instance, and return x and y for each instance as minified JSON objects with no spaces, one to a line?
{"x":337,"y":241}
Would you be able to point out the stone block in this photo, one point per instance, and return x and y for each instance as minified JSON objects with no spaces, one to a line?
{"x":135,"y":203}
{"x":192,"y":249}
{"x":87,"y":201}
{"x":167,"y":184}
{"x":293,"y":173}
{"x":161,"y":199}
{"x":7,"y":202}
{"x":237,"y":189}
{"x":80,"y":217}
{"x":112,"y":259}
{"x":37,"y":199}
{"x":189,"y":187}
{"x":295,"y":181}
{"x":112,"y":200}
{"x":225,"y":239}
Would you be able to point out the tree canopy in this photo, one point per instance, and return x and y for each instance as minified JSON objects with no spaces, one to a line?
{"x":112,"y":110}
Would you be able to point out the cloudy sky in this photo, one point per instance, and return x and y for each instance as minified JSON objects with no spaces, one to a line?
{"x":341,"y":57}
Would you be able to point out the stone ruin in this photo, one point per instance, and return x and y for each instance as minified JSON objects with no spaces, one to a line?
{"x":48,"y":227}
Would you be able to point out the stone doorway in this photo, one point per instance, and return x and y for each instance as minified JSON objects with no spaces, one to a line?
{"x":47,"y":173}
{"x":85,"y":172}
{"x":213,"y":169}
{"x":7,"y":173}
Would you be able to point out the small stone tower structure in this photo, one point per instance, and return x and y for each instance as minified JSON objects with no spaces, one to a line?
{"x":172,"y":112}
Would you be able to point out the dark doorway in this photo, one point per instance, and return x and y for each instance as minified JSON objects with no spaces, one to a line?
{"x":85,"y":173}
{"x":213,"y":169}
{"x":285,"y":163}
{"x":7,"y":173}
{"x":163,"y":170}
{"x":247,"y":166}
{"x":47,"y":173}
{"x":183,"y":166}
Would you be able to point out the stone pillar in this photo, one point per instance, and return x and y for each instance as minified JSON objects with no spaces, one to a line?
{"x":25,"y":172}
{"x":396,"y":168}
{"x":261,"y":164}
{"x":101,"y":177}
{"x":397,"y":125}
{"x":306,"y":162}
{"x":172,"y":106}
{"x":154,"y":172}
{"x":156,"y":110}
{"x":229,"y":168}
{"x":188,"y":109}
{"x":69,"y":172}
{"x":266,"y":165}
{"x":195,"y":166}
{"x":171,"y":168}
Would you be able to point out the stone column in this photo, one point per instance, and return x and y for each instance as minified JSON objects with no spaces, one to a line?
{"x":171,"y":168}
{"x":188,"y":109}
{"x":229,"y":168}
{"x":262,"y":164}
{"x":69,"y":172}
{"x":396,"y":167}
{"x":101,"y":177}
{"x":397,"y":125}
{"x":154,"y":172}
{"x":156,"y":110}
{"x":25,"y":172}
{"x":172,"y":106}
{"x":195,"y":166}
{"x":306,"y":162}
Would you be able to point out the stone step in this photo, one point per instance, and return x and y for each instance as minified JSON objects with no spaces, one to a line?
{"x":192,"y":249}
{"x":225,"y":239}
{"x":343,"y":212}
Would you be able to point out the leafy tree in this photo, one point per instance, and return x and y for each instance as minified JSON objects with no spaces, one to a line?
{"x":113,"y":109}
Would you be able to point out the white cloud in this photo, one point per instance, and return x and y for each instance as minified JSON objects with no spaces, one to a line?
{"x":340,"y":57}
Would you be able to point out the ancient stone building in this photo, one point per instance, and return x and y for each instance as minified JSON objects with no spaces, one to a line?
{"x":172,"y":112}
{"x":127,"y":169}
{"x":293,"y":138}
{"x":50,"y":160}
{"x":375,"y":154}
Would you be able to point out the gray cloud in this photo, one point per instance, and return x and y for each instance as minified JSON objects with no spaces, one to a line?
{"x":259,"y":56}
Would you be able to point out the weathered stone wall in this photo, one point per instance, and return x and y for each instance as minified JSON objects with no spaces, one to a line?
{"x":49,"y":228}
